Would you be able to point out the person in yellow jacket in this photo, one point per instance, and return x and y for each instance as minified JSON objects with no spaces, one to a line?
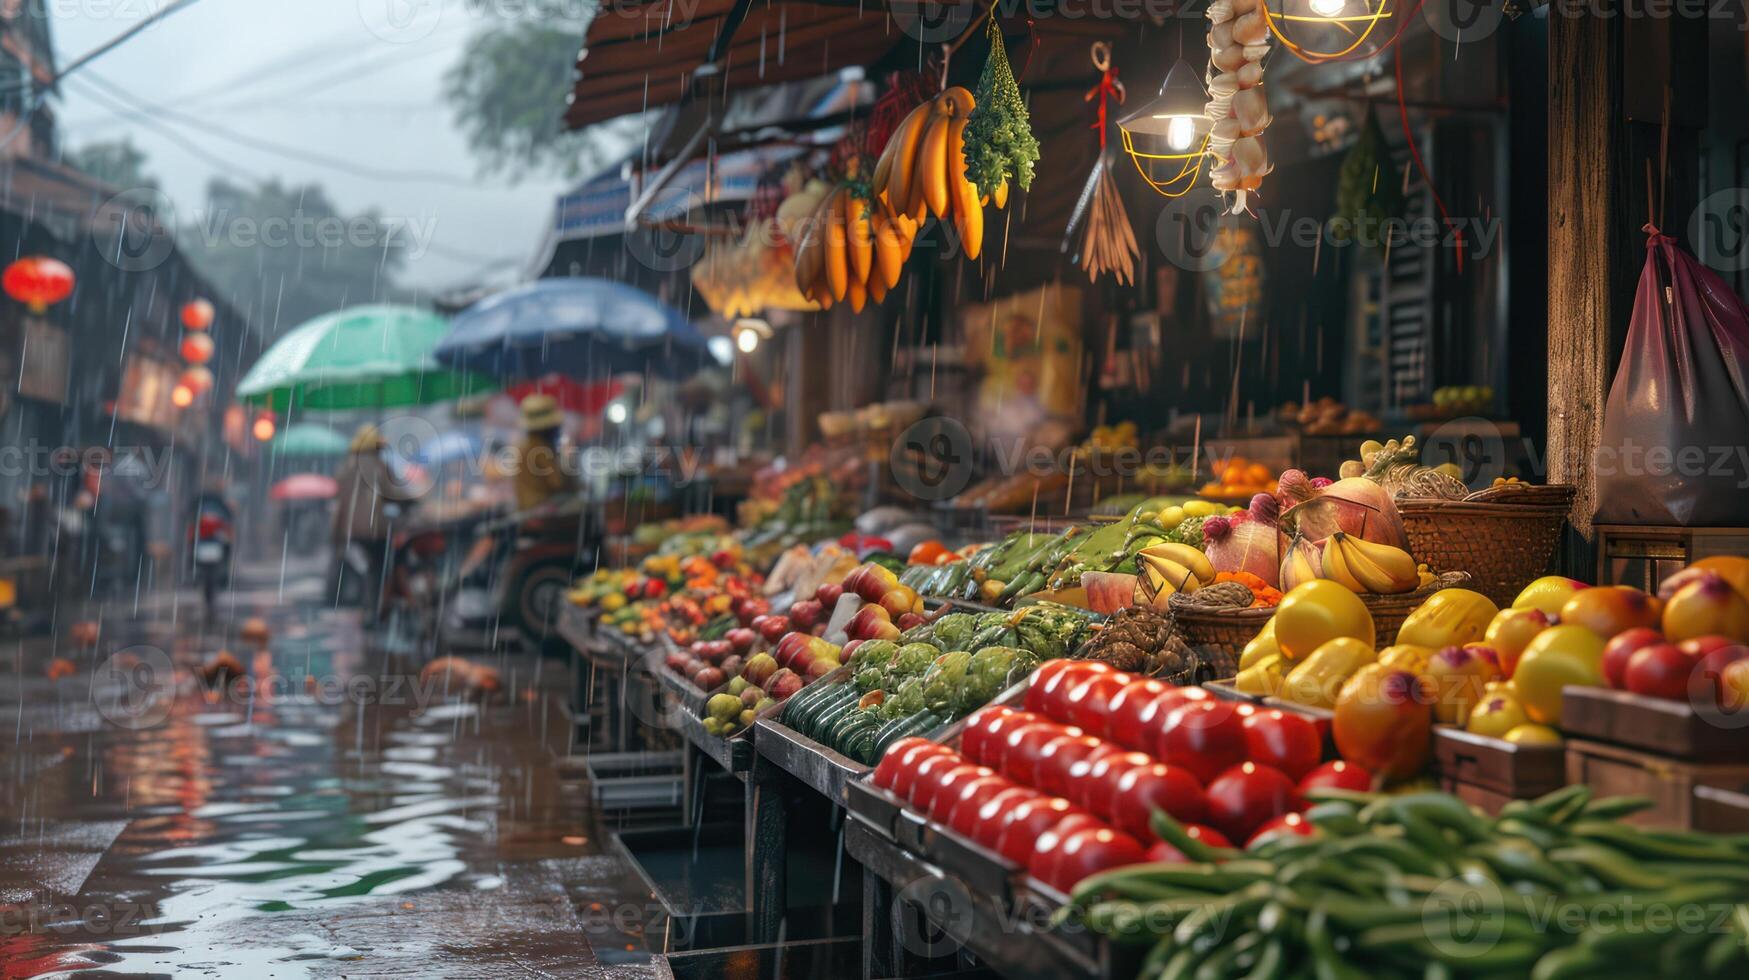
{"x":538,"y":475}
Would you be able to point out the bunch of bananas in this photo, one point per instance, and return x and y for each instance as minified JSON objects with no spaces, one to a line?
{"x":852,"y":246}
{"x":1367,"y":566}
{"x":1165,"y":569}
{"x":923,"y":169}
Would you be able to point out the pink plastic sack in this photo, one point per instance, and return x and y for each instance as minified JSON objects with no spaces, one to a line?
{"x":1675,"y":445}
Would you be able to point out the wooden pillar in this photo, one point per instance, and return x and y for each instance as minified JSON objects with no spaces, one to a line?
{"x":1584,"y":188}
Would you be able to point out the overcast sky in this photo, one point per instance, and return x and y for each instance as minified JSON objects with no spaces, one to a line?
{"x":356,"y":79}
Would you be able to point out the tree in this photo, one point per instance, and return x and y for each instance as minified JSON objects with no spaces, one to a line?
{"x":508,"y":94}
{"x":118,"y":163}
{"x":286,"y":253}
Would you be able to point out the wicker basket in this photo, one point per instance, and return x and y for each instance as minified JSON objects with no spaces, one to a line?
{"x":1502,"y":542}
{"x":1228,"y":630}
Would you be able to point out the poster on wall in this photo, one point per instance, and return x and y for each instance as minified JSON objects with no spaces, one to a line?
{"x":1029,"y":348}
{"x":1233,"y":286}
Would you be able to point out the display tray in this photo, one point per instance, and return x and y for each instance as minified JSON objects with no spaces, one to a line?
{"x":818,"y":767}
{"x":1672,"y":784}
{"x":734,"y":753}
{"x":1718,"y":810}
{"x":691,"y":696}
{"x":1009,"y":939}
{"x":634,"y":780}
{"x":576,"y":626}
{"x":805,"y":960}
{"x":876,"y":807}
{"x":982,"y":869}
{"x":690,"y":870}
{"x":1673,"y":728}
{"x":1495,"y":766}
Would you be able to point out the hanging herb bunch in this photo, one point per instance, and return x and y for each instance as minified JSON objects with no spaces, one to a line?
{"x":999,"y":140}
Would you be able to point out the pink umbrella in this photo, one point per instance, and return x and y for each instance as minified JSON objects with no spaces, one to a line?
{"x":305,"y":486}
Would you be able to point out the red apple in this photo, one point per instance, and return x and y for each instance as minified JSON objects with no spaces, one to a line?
{"x":1144,"y":789}
{"x":1659,"y":670}
{"x":709,"y":678}
{"x":772,"y":628}
{"x":751,"y":696}
{"x":1712,"y":682}
{"x":806,"y":613}
{"x":899,"y":600}
{"x":827,"y":594}
{"x":741,"y":639}
{"x":818,"y":669}
{"x":1130,"y":713}
{"x":1205,"y":737}
{"x":1622,"y":646}
{"x":783,"y":684}
{"x":750,"y":608}
{"x":910,"y":620}
{"x":732,"y":664}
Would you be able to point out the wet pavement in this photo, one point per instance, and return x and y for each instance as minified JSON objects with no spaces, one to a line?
{"x":334,"y":817}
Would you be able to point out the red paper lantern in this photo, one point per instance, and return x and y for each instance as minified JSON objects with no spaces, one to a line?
{"x":197,"y":314}
{"x":263,"y":428}
{"x":197,"y":379}
{"x":38,"y":281}
{"x":197,"y":348}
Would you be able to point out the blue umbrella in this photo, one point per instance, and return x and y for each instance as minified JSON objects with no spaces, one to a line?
{"x":575,"y":326}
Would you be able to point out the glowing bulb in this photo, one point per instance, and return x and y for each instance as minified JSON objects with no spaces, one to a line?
{"x":1181,"y":130}
{"x":747,"y":341}
{"x":263,"y":429}
{"x":616,"y":412}
{"x":181,"y":396}
{"x":1327,"y":8}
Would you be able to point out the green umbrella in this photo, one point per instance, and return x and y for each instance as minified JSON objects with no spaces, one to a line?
{"x":366,"y":357}
{"x":305,"y":439}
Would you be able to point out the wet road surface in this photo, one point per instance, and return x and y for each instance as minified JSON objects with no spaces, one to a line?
{"x":335,"y":817}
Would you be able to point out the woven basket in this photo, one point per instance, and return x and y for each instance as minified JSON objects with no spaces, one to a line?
{"x":1213,"y":632}
{"x":1502,"y":542}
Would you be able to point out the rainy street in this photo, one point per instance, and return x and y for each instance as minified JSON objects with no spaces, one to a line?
{"x":332,"y":819}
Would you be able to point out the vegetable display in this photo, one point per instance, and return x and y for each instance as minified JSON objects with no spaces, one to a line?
{"x":1422,"y":885}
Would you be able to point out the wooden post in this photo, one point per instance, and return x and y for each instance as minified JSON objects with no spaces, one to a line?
{"x":1584,"y":197}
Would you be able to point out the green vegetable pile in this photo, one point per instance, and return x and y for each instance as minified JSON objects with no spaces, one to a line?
{"x":999,"y":140}
{"x":1421,"y":885}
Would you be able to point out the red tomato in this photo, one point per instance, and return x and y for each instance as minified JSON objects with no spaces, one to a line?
{"x":1205,"y":736}
{"x":926,"y":774}
{"x":994,"y":813}
{"x":1659,"y":670}
{"x":1162,"y":851}
{"x":1155,"y":786}
{"x":1057,"y":758}
{"x":887,"y":770}
{"x":1089,"y":702}
{"x":928,"y":553}
{"x":1340,"y":774}
{"x":968,"y":799}
{"x":1023,"y":825}
{"x":1088,"y":852}
{"x":1051,"y":697}
{"x":948,"y":783}
{"x":972,"y":740}
{"x":1042,"y":679}
{"x":987,"y":741}
{"x":911,"y":763}
{"x":1248,"y":796}
{"x":1098,"y":788}
{"x":1285,"y":740}
{"x":1132,"y":712}
{"x":1286,"y":824}
{"x":1019,"y":751}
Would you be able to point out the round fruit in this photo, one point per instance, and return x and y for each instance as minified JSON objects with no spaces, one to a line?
{"x":1610,"y":609}
{"x":1288,"y":824}
{"x":1090,"y":851}
{"x":1285,"y":740}
{"x":936,"y":796}
{"x":1548,"y":594}
{"x":1053,"y":771}
{"x":1659,"y":670}
{"x":1089,"y":702}
{"x":1340,"y":774}
{"x":1457,"y":675}
{"x":1384,"y":721}
{"x":1048,"y":694}
{"x":1026,"y":820}
{"x":1095,"y":791}
{"x":973,"y":737}
{"x":1511,"y":630}
{"x":899,"y":756}
{"x":1019,"y":752}
{"x":1732,"y":568}
{"x":1158,"y":786}
{"x":1248,"y":796}
{"x":1315,"y":612}
{"x":1166,"y":853}
{"x":1496,"y":715}
{"x":961,"y":813}
{"x":985,"y":743}
{"x":1043,"y":849}
{"x":1622,"y":646}
{"x":994,"y":813}
{"x":1205,"y":737}
{"x":1131,"y":713}
{"x":1707,"y":606}
{"x":1559,"y":656}
{"x":1531,"y":733}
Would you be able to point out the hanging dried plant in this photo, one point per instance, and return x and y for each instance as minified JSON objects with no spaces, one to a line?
{"x":1108,"y":243}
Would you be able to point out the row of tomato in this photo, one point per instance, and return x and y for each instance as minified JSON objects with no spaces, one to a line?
{"x":1066,"y":785}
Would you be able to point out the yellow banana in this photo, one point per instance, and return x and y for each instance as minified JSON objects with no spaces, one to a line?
{"x":1382,"y":568}
{"x":1001,"y":194}
{"x":1186,"y":555}
{"x":837,"y":261}
{"x":932,"y":165}
{"x":903,"y":145}
{"x":889,"y":249}
{"x":1335,"y":569}
{"x":858,"y":294}
{"x":856,"y":227}
{"x":810,"y":262}
{"x":1181,"y":578}
{"x":907,"y":233}
{"x":877,"y":290}
{"x":968,"y":213}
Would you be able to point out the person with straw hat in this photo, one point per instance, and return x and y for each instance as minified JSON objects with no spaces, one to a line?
{"x":367,"y":488}
{"x":539,"y":476}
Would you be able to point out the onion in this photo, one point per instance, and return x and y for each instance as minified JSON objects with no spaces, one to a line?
{"x":1243,"y":546}
{"x":1294,"y":487}
{"x":1356,"y":506}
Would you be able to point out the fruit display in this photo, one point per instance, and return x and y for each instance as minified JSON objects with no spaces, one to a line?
{"x":1451,"y":401}
{"x":1140,"y":640}
{"x":1238,"y":478}
{"x":1396,"y":466}
{"x":1328,"y":417}
{"x":1423,"y":885}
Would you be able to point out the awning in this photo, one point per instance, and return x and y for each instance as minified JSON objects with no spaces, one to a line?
{"x":598,"y":206}
{"x":639,"y":56}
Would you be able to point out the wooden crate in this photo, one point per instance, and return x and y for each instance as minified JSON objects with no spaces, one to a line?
{"x":1721,"y":811}
{"x":1611,"y":770}
{"x":1644,"y":555}
{"x":1658,"y":725}
{"x":1488,"y":771}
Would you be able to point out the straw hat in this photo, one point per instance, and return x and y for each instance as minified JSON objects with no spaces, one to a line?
{"x":367,"y":439}
{"x":541,"y":412}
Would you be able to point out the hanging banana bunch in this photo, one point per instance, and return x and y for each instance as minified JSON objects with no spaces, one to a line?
{"x":852,"y":246}
{"x":1238,"y":41}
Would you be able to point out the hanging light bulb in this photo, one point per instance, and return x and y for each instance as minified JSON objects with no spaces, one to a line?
{"x":263,"y":428}
{"x":1180,"y":132}
{"x":749,"y":331}
{"x":1327,"y":8}
{"x":616,"y":412}
{"x":1177,"y":116}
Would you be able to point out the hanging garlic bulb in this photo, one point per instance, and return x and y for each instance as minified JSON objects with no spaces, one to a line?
{"x":1238,"y":40}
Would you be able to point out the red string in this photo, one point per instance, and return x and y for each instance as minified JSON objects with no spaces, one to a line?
{"x":1415,"y":154}
{"x":1106,"y":89}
